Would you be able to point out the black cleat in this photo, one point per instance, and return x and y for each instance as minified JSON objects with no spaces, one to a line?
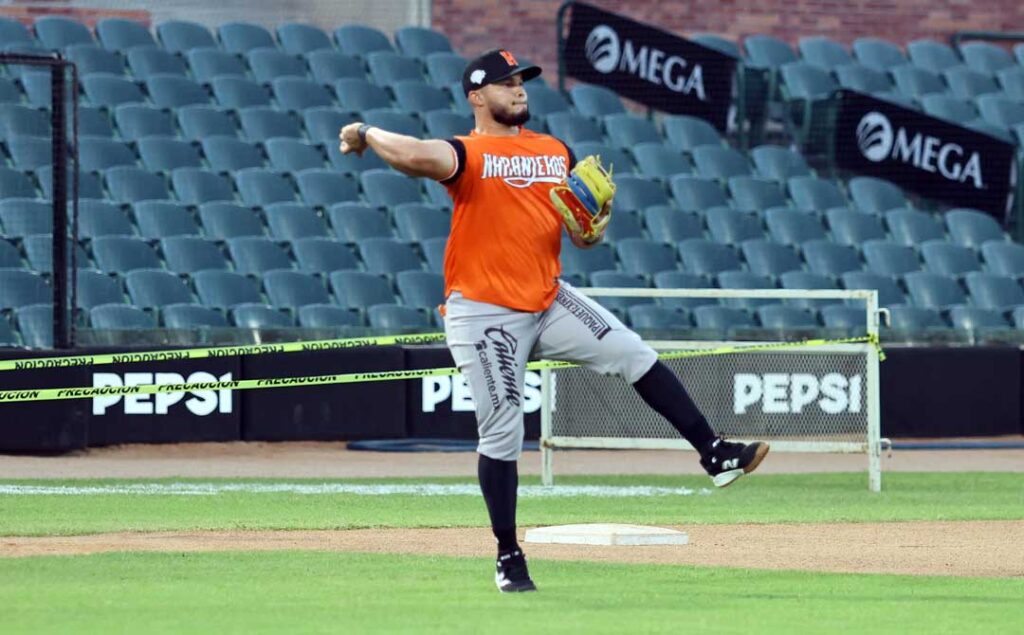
{"x":512,"y":575}
{"x":725,"y":461}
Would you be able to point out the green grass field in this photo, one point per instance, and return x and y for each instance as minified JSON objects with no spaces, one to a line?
{"x":298,"y":592}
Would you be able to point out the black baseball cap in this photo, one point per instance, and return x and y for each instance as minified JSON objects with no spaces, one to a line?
{"x":494,"y":66}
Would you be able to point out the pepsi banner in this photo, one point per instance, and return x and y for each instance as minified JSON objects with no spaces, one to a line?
{"x":932,"y":157}
{"x":649,"y":65}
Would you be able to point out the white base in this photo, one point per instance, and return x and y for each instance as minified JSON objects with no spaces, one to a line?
{"x":607,"y":534}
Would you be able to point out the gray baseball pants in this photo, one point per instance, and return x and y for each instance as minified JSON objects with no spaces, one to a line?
{"x":491,"y":345}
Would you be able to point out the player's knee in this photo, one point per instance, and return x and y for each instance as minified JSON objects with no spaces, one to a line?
{"x":502,"y":445}
{"x":632,"y":358}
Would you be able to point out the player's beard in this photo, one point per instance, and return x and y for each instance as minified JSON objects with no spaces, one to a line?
{"x":507,"y":118}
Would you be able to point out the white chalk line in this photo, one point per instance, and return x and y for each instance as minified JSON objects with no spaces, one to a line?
{"x":412,"y":489}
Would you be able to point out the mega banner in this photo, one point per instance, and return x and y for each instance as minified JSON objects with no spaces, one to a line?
{"x":648,"y":65}
{"x":932,"y":157}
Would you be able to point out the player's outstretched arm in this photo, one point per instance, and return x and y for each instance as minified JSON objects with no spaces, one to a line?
{"x":431,"y":158}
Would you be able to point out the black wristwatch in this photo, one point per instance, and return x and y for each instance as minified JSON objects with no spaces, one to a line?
{"x":362,"y":131}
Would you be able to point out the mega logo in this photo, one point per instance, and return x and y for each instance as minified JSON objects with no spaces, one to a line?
{"x":200,"y":403}
{"x":879,"y":141}
{"x":606,"y":52}
{"x":437,"y":390}
{"x":793,"y":393}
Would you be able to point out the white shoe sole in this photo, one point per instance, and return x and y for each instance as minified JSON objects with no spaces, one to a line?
{"x":725,"y":478}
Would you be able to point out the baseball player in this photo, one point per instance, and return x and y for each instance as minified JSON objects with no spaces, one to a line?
{"x":513,"y":191}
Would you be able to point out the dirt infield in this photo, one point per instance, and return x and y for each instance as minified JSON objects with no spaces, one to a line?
{"x":979,"y":548}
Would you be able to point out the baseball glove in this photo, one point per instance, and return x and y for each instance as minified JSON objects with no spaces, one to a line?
{"x":584,"y":199}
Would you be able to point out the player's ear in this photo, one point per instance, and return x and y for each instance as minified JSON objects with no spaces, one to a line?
{"x":475,"y":98}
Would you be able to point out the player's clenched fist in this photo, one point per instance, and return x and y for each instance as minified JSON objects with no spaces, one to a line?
{"x":352,"y":140}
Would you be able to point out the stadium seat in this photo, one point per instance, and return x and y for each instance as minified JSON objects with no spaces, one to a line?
{"x":419,"y":42}
{"x":697,"y":194}
{"x":395,"y":121}
{"x":121,"y":35}
{"x":262,"y":123}
{"x":718,"y":162}
{"x":18,"y":119}
{"x":388,"y":255}
{"x":543,"y":101}
{"x":239,"y":92}
{"x":207,"y":64}
{"x":972,"y":318}
{"x":808,"y":280}
{"x":617,"y":279}
{"x":98,"y":153}
{"x":358,"y":39}
{"x":875,"y":195}
{"x":123,"y":253}
{"x":420,"y":98}
{"x":120,"y":317}
{"x":89,"y":183}
{"x":991,"y":291}
{"x":915,"y":318}
{"x":723,"y":319}
{"x":805,"y":82}
{"x":824,"y":52}
{"x":645,"y":257}
{"x":229,"y":154}
{"x":444,"y":124}
{"x":58,"y":32}
{"x":1012,"y":82}
{"x":165,"y":153}
{"x":326,"y":187}
{"x":934,"y":291}
{"x":223,"y":289}
{"x":293,"y":155}
{"x":433,"y":252}
{"x":39,"y":253}
{"x":793,"y":227}
{"x":1000,"y":111}
{"x":854,"y":228}
{"x":30,"y":153}
{"x":572,"y":127}
{"x":145,"y":61}
{"x":765,"y":51}
{"x":948,"y":259}
{"x":950,"y":108}
{"x":20,"y":288}
{"x":242,"y":37}
{"x":200,"y":122}
{"x":916,"y":82}
{"x":14,"y":184}
{"x":878,"y":54}
{"x":94,"y":288}
{"x":889,"y":293}
{"x":328,"y":316}
{"x":323,"y":255}
{"x":8,"y":337}
{"x":778,"y":163}
{"x":600,"y":257}
{"x":354,"y":221}
{"x":154,"y":288}
{"x":1003,"y":258}
{"x":657,"y":317}
{"x":135,"y":121}
{"x":14,"y":32}
{"x":189,"y":254}
{"x":299,"y":39}
{"x":985,"y":57}
{"x":889,"y":258}
{"x":416,"y":222}
{"x":827,"y":258}
{"x":323,"y":124}
{"x":595,"y":101}
{"x":932,"y":56}
{"x":681,"y":280}
{"x":260,"y":316}
{"x":174,"y":91}
{"x":328,"y":65}
{"x":359,"y":94}
{"x":863,"y":79}
{"x":708,"y":258}
{"x":100,"y":218}
{"x":624,"y":224}
{"x":89,"y":58}
{"x":444,"y":69}
{"x":159,"y":219}
{"x":656,"y":160}
{"x":299,"y":93}
{"x":180,"y":36}
{"x":293,"y":289}
{"x":784,"y":317}
{"x":290,"y":221}
{"x":749,"y":192}
{"x":667,"y":224}
{"x":36,"y":325}
{"x":686,"y":133}
{"x":22,"y":217}
{"x":189,"y":316}
{"x":196,"y":186}
{"x":256,"y":255}
{"x":636,"y":193}
{"x":397,"y":318}
{"x":421,"y":289}
{"x":768,"y":258}
{"x":260,"y":186}
{"x":911,"y":227}
{"x":360,"y":289}
{"x":388,"y":188}
{"x":110,"y":90}
{"x":744,"y":280}
{"x":35,"y":85}
{"x":963,"y":83}
{"x":388,"y":68}
{"x":731,"y":227}
{"x":842,"y":316}
{"x":94,"y":122}
{"x":626,"y":131}
{"x":618,"y":161}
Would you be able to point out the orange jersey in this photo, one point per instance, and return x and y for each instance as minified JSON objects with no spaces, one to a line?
{"x":505,"y":239}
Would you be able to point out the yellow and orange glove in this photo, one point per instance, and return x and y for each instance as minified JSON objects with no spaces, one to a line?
{"x":584,"y":199}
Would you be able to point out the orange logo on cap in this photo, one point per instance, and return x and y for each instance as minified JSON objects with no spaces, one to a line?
{"x":508,"y":58}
